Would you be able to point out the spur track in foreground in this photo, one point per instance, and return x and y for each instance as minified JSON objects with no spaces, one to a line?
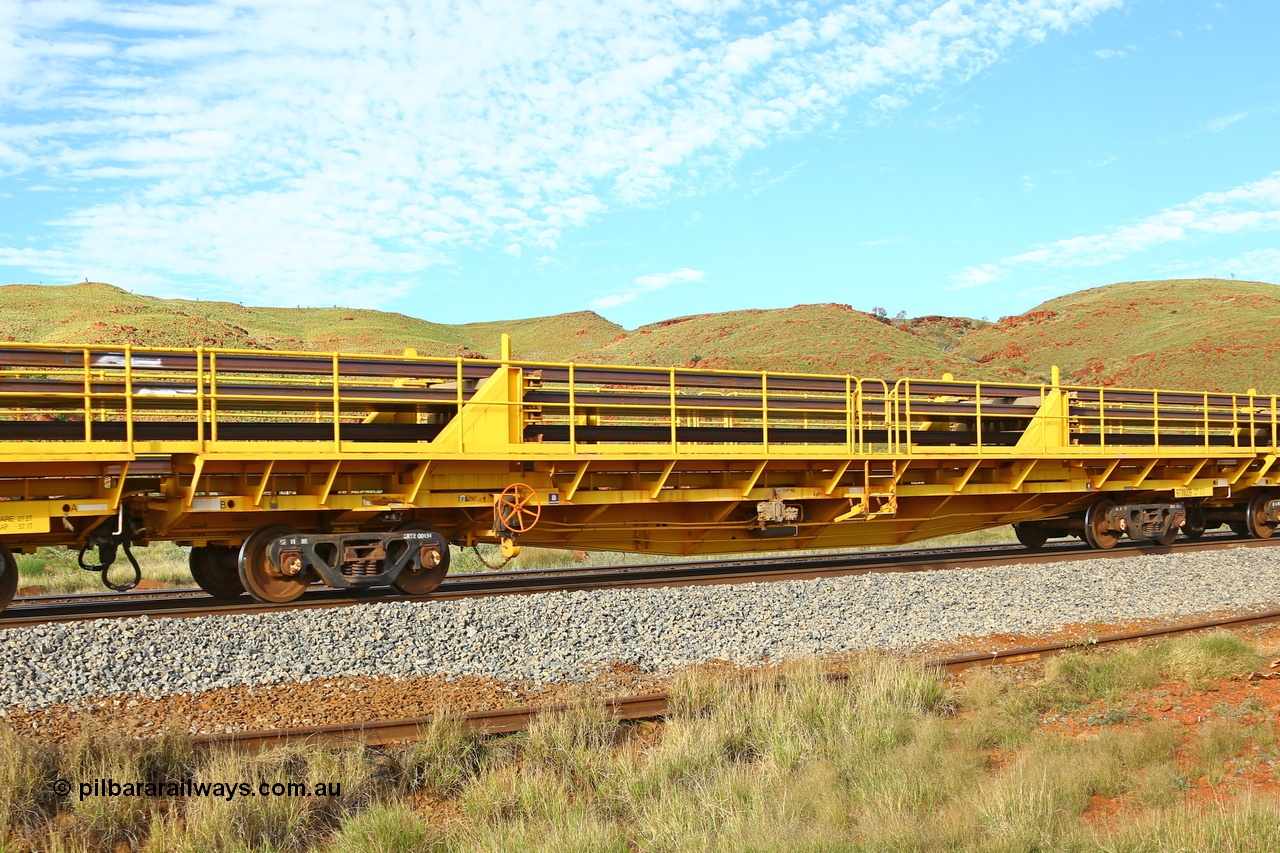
{"x":192,"y":602}
{"x":656,"y":705}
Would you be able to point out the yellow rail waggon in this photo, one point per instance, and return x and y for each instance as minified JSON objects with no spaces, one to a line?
{"x":282,"y":468}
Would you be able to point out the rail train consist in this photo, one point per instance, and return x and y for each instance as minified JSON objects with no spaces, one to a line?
{"x":279,"y":469}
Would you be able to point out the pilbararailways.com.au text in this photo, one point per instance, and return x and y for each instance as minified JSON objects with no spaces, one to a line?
{"x":191,"y":788}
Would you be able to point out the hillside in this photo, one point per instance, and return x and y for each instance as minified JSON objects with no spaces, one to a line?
{"x":101,"y":313}
{"x":1209,"y":334}
{"x":944,"y":332}
{"x":807,"y":338}
{"x":1206,"y":334}
{"x":555,"y":338}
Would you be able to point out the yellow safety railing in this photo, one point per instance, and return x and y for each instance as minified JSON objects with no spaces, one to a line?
{"x":126,"y":395}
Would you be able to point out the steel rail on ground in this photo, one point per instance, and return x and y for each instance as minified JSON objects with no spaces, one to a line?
{"x":192,"y":603}
{"x":653,"y":706}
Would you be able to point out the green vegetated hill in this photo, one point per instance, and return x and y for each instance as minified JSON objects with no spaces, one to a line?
{"x":944,"y":332}
{"x":555,"y":338}
{"x":803,"y":339}
{"x":1208,"y":334}
{"x":100,"y":313}
{"x":1204,"y":334}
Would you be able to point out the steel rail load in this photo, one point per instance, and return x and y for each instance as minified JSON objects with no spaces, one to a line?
{"x":280,"y":469}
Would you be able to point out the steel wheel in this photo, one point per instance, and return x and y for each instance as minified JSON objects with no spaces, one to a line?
{"x":216,"y":570}
{"x":420,"y":581}
{"x":1169,"y":538}
{"x":261,"y":579}
{"x":1032,"y":536}
{"x":8,"y":576}
{"x":1256,"y":522}
{"x":1097,"y":532}
{"x":1195,"y":525}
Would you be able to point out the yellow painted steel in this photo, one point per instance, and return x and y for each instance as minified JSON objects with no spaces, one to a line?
{"x":206,"y":445}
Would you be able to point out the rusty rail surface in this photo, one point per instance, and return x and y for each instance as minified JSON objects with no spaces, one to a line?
{"x":656,"y":705}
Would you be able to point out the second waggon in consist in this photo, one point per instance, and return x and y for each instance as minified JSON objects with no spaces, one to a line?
{"x":359,"y":470}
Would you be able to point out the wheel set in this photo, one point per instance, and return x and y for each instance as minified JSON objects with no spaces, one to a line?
{"x":1196,"y":523}
{"x":1031,"y":535}
{"x":216,"y":570}
{"x":8,"y":576}
{"x":422,"y":578}
{"x":1260,"y":517}
{"x":1098,"y":532}
{"x":262,"y":578}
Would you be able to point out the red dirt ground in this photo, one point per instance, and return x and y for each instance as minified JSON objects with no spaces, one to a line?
{"x":1244,"y":702}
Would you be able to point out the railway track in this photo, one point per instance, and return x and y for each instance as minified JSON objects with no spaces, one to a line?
{"x":192,"y":602}
{"x":655,"y":705}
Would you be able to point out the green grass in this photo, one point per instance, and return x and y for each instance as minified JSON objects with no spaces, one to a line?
{"x":56,"y":570}
{"x":1082,"y":678}
{"x":887,"y":758}
{"x":386,"y":828}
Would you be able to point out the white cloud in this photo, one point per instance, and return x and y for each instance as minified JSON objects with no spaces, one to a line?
{"x":1110,"y":53}
{"x":298,"y":151}
{"x":1260,"y":264}
{"x":973,"y":276}
{"x":1223,"y":122}
{"x":647,"y":284}
{"x":762,"y":179}
{"x":1249,"y":207}
{"x":889,"y":102}
{"x":1041,"y":292}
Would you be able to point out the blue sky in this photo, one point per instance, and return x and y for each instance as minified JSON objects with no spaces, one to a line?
{"x":641,"y":158}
